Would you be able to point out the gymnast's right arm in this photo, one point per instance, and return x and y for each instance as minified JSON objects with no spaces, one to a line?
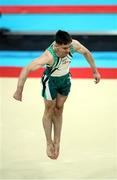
{"x":46,"y":58}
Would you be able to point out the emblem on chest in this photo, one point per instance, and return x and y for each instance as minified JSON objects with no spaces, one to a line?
{"x":65,"y":60}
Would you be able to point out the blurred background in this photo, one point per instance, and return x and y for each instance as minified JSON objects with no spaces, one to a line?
{"x":89,"y":136}
{"x":27,"y":28}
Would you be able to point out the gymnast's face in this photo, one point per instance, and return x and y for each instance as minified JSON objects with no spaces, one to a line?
{"x":62,"y":50}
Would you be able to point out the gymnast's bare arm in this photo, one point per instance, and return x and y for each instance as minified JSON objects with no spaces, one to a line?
{"x":88,"y":56}
{"x":45,"y":58}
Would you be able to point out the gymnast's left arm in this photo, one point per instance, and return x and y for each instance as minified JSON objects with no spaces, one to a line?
{"x":88,"y":56}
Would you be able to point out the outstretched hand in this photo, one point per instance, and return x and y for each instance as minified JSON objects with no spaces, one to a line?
{"x":96,"y":77}
{"x":17,"y":96}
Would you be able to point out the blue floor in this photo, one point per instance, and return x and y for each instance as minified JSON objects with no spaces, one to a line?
{"x":21,"y":58}
{"x":55,"y":2}
{"x":68,"y":22}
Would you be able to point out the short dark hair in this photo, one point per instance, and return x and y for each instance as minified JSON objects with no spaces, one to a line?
{"x":63,"y":37}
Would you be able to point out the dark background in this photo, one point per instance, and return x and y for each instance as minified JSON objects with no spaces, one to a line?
{"x":32,"y":42}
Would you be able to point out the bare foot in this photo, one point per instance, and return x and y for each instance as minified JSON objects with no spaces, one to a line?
{"x":56,"y":150}
{"x":50,"y":151}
